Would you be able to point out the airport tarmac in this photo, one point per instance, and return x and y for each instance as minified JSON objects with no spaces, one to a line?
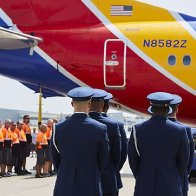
{"x":30,"y":186}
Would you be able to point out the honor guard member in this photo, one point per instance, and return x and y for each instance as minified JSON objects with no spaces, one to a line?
{"x":109,"y":177}
{"x":123,"y":139}
{"x":173,"y":117}
{"x":80,"y":149}
{"x":158,"y":151}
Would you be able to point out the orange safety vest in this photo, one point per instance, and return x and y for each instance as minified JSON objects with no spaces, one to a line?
{"x":42,"y":139}
{"x":22,"y":136}
{"x":1,"y":136}
{"x":17,"y":131}
{"x":26,"y":128}
{"x":49,"y":133}
{"x":6,"y":134}
{"x":15,"y":139}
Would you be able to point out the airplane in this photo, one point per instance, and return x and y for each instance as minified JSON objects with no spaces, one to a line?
{"x":126,"y":47}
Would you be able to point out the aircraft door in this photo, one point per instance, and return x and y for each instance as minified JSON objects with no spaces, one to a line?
{"x":114,"y":65}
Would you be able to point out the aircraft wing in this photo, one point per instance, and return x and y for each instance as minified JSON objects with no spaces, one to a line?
{"x":11,"y":40}
{"x":45,"y":92}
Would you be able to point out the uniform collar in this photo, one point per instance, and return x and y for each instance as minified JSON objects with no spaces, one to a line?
{"x":157,"y":117}
{"x":173,"y":119}
{"x":80,"y":115}
{"x":95,"y":114}
{"x":104,"y":114}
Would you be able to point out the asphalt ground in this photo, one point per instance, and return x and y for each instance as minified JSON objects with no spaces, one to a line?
{"x":30,"y":186}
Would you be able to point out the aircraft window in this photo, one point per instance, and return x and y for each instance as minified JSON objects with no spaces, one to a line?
{"x":187,"y":60}
{"x":172,"y":60}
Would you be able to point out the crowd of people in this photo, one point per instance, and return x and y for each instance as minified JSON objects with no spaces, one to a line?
{"x":17,"y":141}
{"x":89,"y":149}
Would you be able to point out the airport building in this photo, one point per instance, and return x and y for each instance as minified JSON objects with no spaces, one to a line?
{"x":17,"y":115}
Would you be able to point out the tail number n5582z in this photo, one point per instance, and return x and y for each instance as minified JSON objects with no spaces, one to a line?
{"x":165,"y":43}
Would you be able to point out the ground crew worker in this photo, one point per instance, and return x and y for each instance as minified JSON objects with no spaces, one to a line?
{"x":15,"y":149}
{"x":41,"y":145}
{"x":1,"y":146}
{"x":23,"y":144}
{"x":79,"y":149}
{"x":123,"y":139}
{"x":26,"y":128}
{"x":6,"y":150}
{"x":158,"y":151}
{"x":48,"y":163}
{"x":173,"y":117}
{"x":109,"y":177}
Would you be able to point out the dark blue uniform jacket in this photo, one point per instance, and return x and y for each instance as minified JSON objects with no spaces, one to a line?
{"x":84,"y":146}
{"x":108,"y":178}
{"x":164,"y":154}
{"x":123,"y":150}
{"x":191,"y":148}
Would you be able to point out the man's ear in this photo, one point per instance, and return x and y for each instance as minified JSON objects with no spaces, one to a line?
{"x":177,"y":109}
{"x":89,"y":104}
{"x":102,"y":104}
{"x":72,"y":103}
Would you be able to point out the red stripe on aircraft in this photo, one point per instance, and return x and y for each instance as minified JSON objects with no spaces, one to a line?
{"x":74,"y":37}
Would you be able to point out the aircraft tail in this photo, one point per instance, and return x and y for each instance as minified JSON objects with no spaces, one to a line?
{"x":119,"y":11}
{"x":64,"y":13}
{"x":30,"y":13}
{"x":5,"y":21}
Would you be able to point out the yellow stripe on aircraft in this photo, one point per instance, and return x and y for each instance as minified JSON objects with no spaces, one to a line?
{"x":155,"y":31}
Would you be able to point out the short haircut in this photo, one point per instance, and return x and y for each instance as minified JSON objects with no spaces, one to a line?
{"x":156,"y":109}
{"x":25,"y":116}
{"x":174,"y":108}
{"x":106,"y":105}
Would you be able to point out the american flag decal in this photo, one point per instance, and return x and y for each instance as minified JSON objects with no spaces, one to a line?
{"x":121,"y":10}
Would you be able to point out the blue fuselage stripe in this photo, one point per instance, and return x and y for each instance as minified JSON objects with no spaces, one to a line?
{"x":19,"y":65}
{"x":190,"y":20}
{"x":3,"y":24}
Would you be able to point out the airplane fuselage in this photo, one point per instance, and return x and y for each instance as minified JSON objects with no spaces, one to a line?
{"x":130,"y":56}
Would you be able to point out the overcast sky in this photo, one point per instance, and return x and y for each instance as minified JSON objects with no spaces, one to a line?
{"x":183,"y":6}
{"x":14,"y":95}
